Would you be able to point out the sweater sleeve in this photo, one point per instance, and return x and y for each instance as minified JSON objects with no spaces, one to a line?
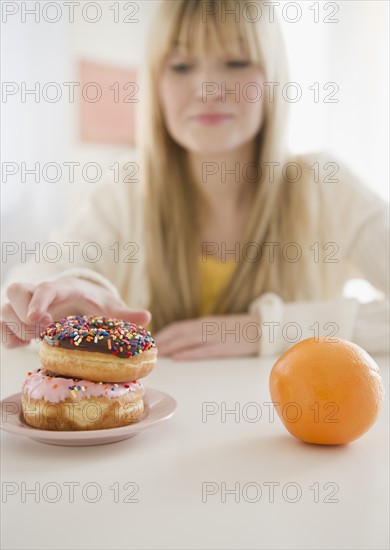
{"x":283,"y":324}
{"x":87,"y":245}
{"x":368,"y":253}
{"x":364,"y":231}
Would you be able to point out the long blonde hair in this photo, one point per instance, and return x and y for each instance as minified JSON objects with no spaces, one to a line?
{"x":280,"y":210}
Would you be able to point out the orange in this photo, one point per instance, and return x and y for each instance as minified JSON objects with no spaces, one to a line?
{"x":326,"y":392}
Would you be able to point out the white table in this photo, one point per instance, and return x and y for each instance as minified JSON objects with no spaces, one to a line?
{"x":167,"y":465}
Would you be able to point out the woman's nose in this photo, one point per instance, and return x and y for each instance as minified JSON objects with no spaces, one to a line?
{"x":209,"y":85}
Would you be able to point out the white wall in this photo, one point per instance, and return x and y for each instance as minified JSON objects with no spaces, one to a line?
{"x":120,"y":44}
{"x":37,"y":51}
{"x":33,"y":131}
{"x":353,"y":53}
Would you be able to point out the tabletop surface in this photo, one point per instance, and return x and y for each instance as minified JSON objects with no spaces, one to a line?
{"x":222,"y":473}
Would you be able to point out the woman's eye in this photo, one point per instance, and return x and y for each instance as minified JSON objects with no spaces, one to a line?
{"x":238,"y":64}
{"x":181,"y":67}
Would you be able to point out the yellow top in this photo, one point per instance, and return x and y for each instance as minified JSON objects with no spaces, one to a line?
{"x":214,"y":275}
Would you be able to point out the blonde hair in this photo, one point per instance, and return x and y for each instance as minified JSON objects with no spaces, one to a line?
{"x":174,"y":205}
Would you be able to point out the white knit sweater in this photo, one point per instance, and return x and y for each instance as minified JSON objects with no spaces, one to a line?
{"x":111,"y":217}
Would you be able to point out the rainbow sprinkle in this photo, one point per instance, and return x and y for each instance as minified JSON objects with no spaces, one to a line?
{"x":101,"y":334}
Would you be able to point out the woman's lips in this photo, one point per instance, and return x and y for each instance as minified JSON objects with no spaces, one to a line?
{"x":212,"y":118}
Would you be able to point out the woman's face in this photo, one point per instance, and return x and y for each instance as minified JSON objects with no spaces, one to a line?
{"x":214,"y":104}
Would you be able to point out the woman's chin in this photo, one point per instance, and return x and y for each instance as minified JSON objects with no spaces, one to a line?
{"x":209,"y":147}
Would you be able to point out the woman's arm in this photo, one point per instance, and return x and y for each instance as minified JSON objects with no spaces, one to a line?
{"x":86,"y":275}
{"x":81,"y":247}
{"x":361,"y":219}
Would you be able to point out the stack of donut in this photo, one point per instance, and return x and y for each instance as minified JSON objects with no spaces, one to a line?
{"x":89,"y":374}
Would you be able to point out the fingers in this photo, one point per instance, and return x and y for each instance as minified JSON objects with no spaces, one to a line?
{"x":43,"y":295}
{"x":28,"y":312}
{"x":140,"y":317}
{"x":15,"y":332}
{"x":8,"y":338}
{"x":188,"y":328}
{"x":80,"y":297}
{"x":178,"y":337}
{"x":205,"y":351}
{"x":19,"y":295}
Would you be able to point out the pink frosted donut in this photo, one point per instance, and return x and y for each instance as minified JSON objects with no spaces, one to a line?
{"x":53,"y":402}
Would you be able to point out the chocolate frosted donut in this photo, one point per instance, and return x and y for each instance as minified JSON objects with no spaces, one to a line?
{"x":98,"y":349}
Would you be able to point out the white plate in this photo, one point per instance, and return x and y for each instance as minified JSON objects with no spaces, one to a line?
{"x":158,"y":406}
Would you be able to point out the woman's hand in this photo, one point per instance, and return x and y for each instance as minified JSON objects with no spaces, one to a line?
{"x":235,"y":335}
{"x":32,"y":306}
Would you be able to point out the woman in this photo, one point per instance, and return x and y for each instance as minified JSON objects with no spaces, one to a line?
{"x":233,"y":246}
